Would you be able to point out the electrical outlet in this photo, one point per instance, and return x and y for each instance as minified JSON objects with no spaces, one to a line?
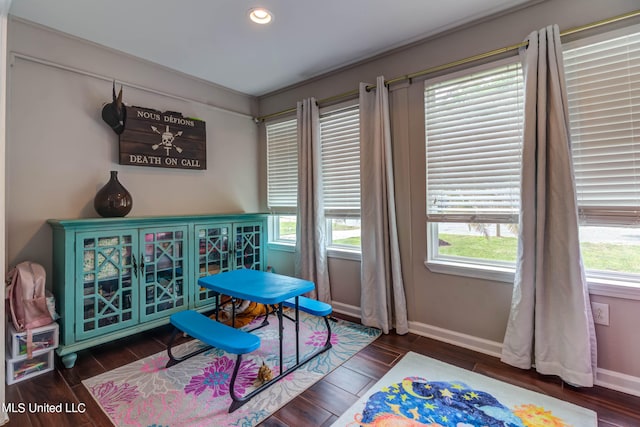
{"x":600,"y":313}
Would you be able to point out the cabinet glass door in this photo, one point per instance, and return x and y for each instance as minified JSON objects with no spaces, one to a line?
{"x":162,"y":272}
{"x":106,"y":273}
{"x":212,"y":248}
{"x":248,"y":245}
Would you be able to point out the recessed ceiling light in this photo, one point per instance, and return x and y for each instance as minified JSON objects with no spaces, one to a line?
{"x":260,"y":15}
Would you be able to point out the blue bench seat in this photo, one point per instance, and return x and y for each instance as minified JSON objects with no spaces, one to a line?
{"x":210,"y":332}
{"x":214,"y":333}
{"x":311,"y":306}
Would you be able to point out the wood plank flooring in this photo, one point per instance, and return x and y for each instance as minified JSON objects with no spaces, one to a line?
{"x":322,"y":403}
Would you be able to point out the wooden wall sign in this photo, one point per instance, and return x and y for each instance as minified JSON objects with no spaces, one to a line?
{"x":163,"y":139}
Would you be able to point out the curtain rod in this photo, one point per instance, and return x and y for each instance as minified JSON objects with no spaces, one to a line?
{"x":459,"y":62}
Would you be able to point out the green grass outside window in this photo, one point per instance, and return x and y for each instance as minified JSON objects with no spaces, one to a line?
{"x":596,"y":256}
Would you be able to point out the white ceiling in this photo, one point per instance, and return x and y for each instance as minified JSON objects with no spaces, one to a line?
{"x":215,"y":41}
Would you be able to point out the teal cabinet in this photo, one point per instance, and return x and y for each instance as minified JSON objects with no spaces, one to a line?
{"x":248,"y":251}
{"x":214,"y":253}
{"x":107,"y":291}
{"x":163,"y":272}
{"x":224,"y":246}
{"x":113,"y":277}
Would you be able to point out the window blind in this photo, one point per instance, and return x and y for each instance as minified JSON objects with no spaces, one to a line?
{"x":474,"y":126}
{"x":282,"y":166}
{"x":603,"y":86}
{"x":340,"y":136}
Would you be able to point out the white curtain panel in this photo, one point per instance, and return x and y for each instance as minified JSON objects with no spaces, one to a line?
{"x":550,"y":325}
{"x":382,"y":302}
{"x":311,"y":252}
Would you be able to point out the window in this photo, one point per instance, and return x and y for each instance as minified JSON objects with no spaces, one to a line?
{"x":283,"y":229}
{"x":603,"y":86}
{"x":473,"y":162}
{"x":282,"y":179}
{"x":340,"y":136}
{"x":473,"y":127}
{"x":340,"y":140}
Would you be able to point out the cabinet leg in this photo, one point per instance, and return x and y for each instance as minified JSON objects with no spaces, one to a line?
{"x":69,"y":360}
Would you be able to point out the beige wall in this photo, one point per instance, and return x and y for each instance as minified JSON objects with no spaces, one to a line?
{"x":4,"y":8}
{"x":60,"y":152}
{"x":477,"y":309}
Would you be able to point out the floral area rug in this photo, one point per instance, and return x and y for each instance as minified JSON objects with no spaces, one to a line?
{"x":196,"y":392}
{"x":420,"y":391}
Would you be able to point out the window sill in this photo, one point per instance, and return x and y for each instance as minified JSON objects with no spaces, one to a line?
{"x":478,"y":271}
{"x":344,"y":254}
{"x":339,"y":253}
{"x":614,"y":288}
{"x":597,"y":286}
{"x":281,"y":246}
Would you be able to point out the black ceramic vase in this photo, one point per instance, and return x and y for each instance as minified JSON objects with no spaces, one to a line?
{"x":113,"y":200}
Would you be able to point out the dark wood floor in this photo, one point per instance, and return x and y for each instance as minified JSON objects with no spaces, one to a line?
{"x":321,"y":404}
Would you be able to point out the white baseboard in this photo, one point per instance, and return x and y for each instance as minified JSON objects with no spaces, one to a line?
{"x":604,"y":378}
{"x":470,"y":342}
{"x":617,"y":381}
{"x":346,"y":309}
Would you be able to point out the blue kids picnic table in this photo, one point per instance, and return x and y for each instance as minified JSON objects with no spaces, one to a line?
{"x":273,"y":290}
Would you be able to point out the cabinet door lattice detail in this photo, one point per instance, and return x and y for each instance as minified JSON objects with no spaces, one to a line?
{"x":108,"y":278}
{"x":248,"y":246}
{"x":213,"y":256}
{"x":163,"y":272}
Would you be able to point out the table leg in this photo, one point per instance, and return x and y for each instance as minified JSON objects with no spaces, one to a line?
{"x":233,"y":312}
{"x":172,"y":358}
{"x":265,"y":322}
{"x":238,"y":401}
{"x":280,"y":333}
{"x":297,"y":332}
